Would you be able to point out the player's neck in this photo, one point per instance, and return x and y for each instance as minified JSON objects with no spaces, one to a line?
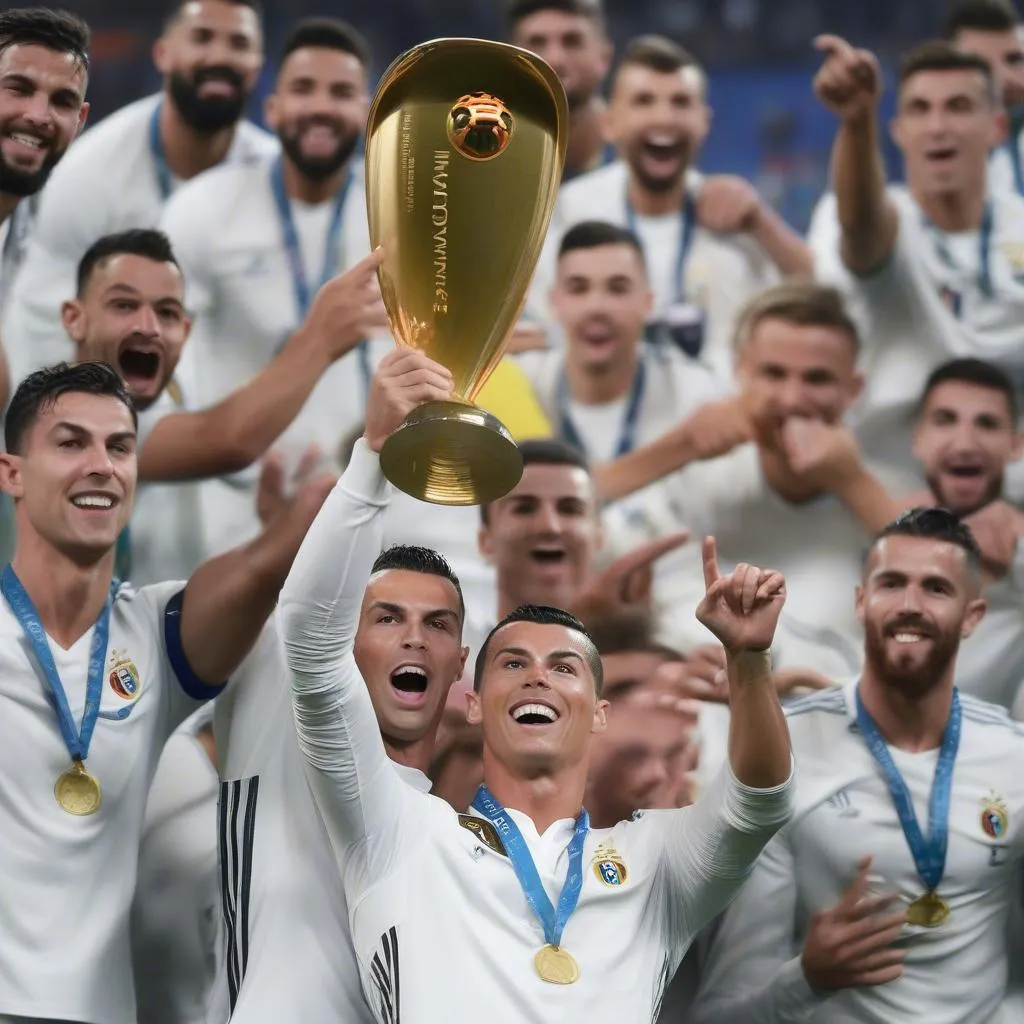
{"x":414,"y":754}
{"x":599,"y":385}
{"x":8,"y":204}
{"x":306,"y":189}
{"x":67,"y":595}
{"x":954,"y":211}
{"x":913,"y":723}
{"x":781,"y":479}
{"x":646,"y":203}
{"x":187,"y":151}
{"x":586,"y":137}
{"x":545,"y":798}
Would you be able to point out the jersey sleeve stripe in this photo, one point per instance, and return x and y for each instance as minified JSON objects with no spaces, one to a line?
{"x":229,"y":798}
{"x":187,"y":679}
{"x":385,"y":978}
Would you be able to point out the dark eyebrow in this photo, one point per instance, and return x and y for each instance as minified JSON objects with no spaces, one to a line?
{"x":397,"y":609}
{"x":566,"y":653}
{"x":80,"y":431}
{"x":519,"y":652}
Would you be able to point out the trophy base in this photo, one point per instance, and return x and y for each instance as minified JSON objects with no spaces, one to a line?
{"x":452,"y":453}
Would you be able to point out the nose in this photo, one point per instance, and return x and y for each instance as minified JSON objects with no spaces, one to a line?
{"x":37,"y":108}
{"x":911,"y":598}
{"x":217,"y":51}
{"x":98,"y":462}
{"x":146,"y":322}
{"x":548,"y":519}
{"x":415,"y":638}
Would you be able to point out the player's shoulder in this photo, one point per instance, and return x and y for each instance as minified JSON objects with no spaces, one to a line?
{"x":111,"y":137}
{"x":991,"y":719}
{"x":820,"y":719}
{"x":146,"y":603}
{"x":1007,"y":211}
{"x":597,"y":194}
{"x":210,"y":198}
{"x":253,"y":144}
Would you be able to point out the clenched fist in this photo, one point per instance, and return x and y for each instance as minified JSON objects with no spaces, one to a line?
{"x":849,"y":83}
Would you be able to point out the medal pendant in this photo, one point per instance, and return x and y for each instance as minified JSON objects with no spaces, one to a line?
{"x":77,"y":791}
{"x":928,"y":910}
{"x":556,"y":966}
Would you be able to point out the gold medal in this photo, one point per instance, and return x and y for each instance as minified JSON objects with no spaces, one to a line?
{"x":555,"y":965}
{"x":77,"y":791}
{"x":928,"y":911}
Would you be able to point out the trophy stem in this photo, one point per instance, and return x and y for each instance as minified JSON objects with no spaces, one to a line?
{"x":452,"y":453}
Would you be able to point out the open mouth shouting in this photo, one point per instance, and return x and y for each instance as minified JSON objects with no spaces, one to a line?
{"x":409,"y":683}
{"x":140,"y":363}
{"x":534,"y":714}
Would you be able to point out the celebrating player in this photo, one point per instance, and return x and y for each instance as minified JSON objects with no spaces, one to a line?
{"x":421,"y":878}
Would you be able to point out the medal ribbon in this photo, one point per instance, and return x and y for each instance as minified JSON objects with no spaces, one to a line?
{"x":985,"y":285}
{"x":76,"y":740}
{"x":687,"y":225}
{"x":518,"y":852}
{"x":929,"y":854}
{"x":1013,"y":150}
{"x":627,"y":433}
{"x":164,"y":181}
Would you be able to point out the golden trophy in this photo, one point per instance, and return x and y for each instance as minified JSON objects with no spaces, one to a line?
{"x":465,"y":142}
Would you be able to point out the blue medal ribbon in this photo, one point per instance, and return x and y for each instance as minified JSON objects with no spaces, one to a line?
{"x":985,"y":231}
{"x":552,"y":921}
{"x":164,"y":180}
{"x":687,"y":226}
{"x":1013,"y":151}
{"x":929,"y":852}
{"x":627,"y":434}
{"x":76,"y":739}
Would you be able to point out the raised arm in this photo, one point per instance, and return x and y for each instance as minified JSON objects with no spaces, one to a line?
{"x":849,"y":83}
{"x":360,"y":796}
{"x":238,"y":430}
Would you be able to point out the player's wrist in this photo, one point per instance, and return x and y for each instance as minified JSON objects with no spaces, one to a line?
{"x":745,"y":664}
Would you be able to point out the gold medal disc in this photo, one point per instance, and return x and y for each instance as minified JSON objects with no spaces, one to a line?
{"x":928,"y":911}
{"x":555,"y":965}
{"x":77,"y":791}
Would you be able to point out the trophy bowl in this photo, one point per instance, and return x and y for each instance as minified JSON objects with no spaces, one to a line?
{"x":465,"y":143}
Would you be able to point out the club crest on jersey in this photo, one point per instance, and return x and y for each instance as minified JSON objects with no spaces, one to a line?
{"x":609,"y":866}
{"x":1014,"y":253}
{"x":484,"y":831}
{"x":124,"y":676}
{"x":995,"y":818}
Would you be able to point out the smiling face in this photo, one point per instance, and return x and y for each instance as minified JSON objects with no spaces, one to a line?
{"x":964,"y":438}
{"x":409,"y":650}
{"x":42,"y":94}
{"x":73,"y":480}
{"x":131,"y":315}
{"x":319,"y":109}
{"x":543,"y":535}
{"x":537,"y":700}
{"x":658,"y":120}
{"x":919,"y":598}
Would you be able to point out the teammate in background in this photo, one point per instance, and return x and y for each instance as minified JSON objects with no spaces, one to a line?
{"x":886,"y":898}
{"x":287,"y":904}
{"x":934,"y":267}
{"x":137,"y":662}
{"x":44,"y":66}
{"x":572,"y":37}
{"x":129,"y":311}
{"x":991,"y":29}
{"x":710,"y":242}
{"x":123,"y":171}
{"x":425,"y":879}
{"x":256,"y":242}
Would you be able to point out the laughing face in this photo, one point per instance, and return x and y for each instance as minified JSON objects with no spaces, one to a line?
{"x":919,"y":599}
{"x":538,"y":701}
{"x":409,"y":650}
{"x":131,"y":315}
{"x":658,"y":120}
{"x":42,"y":108}
{"x":319,"y":109}
{"x":964,"y":439}
{"x":543,"y":535}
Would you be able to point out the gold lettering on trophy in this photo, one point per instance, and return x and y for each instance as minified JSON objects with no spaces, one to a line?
{"x":408,"y":164}
{"x":439,"y":218}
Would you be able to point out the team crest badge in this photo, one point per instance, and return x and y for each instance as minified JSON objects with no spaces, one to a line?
{"x":484,"y":831}
{"x":609,"y":866}
{"x":124,"y":676}
{"x":994,"y":817}
{"x":1014,"y":253}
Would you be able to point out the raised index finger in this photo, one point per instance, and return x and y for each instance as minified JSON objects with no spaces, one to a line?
{"x":647,"y":554}
{"x":830,"y":44}
{"x":709,"y":553}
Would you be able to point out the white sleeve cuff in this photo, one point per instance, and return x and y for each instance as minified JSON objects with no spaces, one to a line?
{"x":760,"y":807}
{"x":363,"y":478}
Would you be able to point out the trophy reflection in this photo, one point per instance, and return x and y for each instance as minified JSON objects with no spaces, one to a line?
{"x":465,"y":143}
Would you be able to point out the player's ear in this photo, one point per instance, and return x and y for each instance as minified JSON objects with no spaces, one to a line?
{"x":859,"y":603}
{"x":474,"y":711}
{"x":270,"y":112}
{"x":600,"y":723}
{"x":975,"y":613}
{"x":10,"y":475}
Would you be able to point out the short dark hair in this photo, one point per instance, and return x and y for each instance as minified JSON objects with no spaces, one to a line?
{"x":178,"y":5}
{"x":979,"y":16}
{"x":973,"y":371}
{"x":326,"y":34}
{"x":658,"y":53}
{"x":520,"y":10}
{"x":804,"y":303}
{"x":413,"y":558}
{"x":934,"y":524}
{"x":57,"y":30}
{"x":545,"y":451}
{"x":146,"y":242}
{"x":942,"y":55}
{"x":591,"y":234}
{"x":41,"y":390}
{"x":545,"y":616}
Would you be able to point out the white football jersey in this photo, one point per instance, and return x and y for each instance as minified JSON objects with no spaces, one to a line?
{"x":1002,"y":177}
{"x":176,"y":940}
{"x":227,"y":234}
{"x":439,"y":921}
{"x":67,"y":915}
{"x":108,"y":181}
{"x":953,"y":974}
{"x":720,"y":273}
{"x":289,"y":946}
